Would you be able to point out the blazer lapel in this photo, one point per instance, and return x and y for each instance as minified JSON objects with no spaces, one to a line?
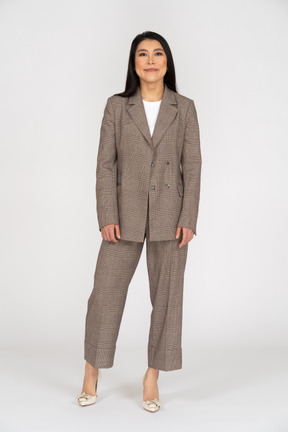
{"x":167,"y":113}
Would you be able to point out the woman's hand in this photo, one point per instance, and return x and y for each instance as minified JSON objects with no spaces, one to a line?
{"x":108,"y":233}
{"x":188,"y":234}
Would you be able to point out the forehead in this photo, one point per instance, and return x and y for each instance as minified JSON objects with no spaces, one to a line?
{"x":149,"y":45}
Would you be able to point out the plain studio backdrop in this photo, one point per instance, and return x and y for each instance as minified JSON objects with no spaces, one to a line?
{"x":60,"y":61}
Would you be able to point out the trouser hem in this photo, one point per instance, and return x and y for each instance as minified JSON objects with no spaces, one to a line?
{"x":99,"y":357}
{"x":165,"y":360}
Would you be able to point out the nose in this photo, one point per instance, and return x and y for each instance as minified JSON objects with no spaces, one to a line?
{"x":150,"y":58}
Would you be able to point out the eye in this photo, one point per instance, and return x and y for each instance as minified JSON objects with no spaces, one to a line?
{"x":141,"y":54}
{"x":159,"y":53}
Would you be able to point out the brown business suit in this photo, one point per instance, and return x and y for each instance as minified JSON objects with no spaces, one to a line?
{"x":133,"y":168}
{"x":142,"y":187}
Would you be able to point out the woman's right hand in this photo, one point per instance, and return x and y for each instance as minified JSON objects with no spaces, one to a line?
{"x":108,"y":232}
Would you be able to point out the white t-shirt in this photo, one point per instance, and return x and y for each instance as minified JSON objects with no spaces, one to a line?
{"x":151,"y":110}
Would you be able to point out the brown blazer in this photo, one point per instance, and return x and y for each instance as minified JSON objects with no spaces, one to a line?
{"x":134,"y":169}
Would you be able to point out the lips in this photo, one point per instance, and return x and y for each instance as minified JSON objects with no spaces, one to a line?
{"x":151,"y":70}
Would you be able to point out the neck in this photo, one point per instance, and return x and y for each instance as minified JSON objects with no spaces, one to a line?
{"x":152,"y":92}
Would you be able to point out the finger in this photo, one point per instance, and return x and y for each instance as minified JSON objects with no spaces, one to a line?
{"x":106,"y":234}
{"x":103,"y":234}
{"x":184,"y":240}
{"x":112,"y":235}
{"x":117,"y":231}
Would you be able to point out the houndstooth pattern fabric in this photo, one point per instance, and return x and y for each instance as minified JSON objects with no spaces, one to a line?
{"x":133,"y":167}
{"x":115,"y":267}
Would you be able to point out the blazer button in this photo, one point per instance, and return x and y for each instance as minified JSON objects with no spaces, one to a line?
{"x":167,"y":162}
{"x":152,"y":187}
{"x":167,"y":186}
{"x":152,"y":164}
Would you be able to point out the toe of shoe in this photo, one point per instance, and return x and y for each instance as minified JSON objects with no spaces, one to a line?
{"x":151,"y":405}
{"x":86,"y":399}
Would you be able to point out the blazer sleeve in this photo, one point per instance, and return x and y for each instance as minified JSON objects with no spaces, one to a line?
{"x":191,"y":161}
{"x":106,"y":171}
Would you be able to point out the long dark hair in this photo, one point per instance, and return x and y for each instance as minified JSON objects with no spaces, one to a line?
{"x":132,"y":80}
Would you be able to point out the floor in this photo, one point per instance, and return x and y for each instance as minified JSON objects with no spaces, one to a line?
{"x":225,"y":389}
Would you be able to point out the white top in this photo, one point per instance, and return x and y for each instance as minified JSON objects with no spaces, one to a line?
{"x":151,"y":110}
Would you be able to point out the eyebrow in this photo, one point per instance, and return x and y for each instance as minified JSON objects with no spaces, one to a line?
{"x":156,"y":49}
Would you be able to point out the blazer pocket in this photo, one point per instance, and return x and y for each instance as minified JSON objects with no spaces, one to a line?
{"x":180,"y":189}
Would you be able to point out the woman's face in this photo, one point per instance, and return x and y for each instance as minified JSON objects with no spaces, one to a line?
{"x":150,"y":55}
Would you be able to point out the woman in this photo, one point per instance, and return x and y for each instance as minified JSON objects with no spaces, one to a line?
{"x":147,"y":186}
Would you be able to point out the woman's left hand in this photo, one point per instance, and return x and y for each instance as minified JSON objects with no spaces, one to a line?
{"x":187,"y":236}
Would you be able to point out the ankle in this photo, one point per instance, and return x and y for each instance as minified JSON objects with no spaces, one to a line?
{"x":90,"y":370}
{"x":152,"y":373}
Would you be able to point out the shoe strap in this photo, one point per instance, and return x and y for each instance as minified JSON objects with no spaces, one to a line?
{"x":86,"y":396}
{"x":153,"y":401}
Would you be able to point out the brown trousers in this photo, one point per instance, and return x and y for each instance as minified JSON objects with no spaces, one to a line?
{"x":115,"y":267}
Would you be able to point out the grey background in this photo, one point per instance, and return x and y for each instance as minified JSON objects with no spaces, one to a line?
{"x":60,"y":61}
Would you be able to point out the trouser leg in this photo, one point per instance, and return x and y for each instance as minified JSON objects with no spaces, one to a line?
{"x":166,"y":265}
{"x":116,"y":264}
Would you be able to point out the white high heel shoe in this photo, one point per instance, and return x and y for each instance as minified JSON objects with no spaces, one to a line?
{"x":86,"y":399}
{"x":151,"y":405}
